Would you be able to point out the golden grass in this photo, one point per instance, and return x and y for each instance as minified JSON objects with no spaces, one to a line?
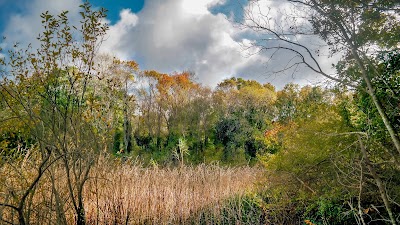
{"x":128,"y":193}
{"x":162,"y":196}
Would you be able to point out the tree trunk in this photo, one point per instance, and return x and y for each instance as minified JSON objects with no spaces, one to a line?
{"x":81,"y":215}
{"x":127,"y":124}
{"x":127,"y":134}
{"x":378,"y":105}
{"x":370,"y":89}
{"x":378,"y":181}
{"x":21,"y":218}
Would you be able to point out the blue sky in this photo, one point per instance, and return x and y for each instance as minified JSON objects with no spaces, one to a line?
{"x":8,"y":8}
{"x":115,"y":6}
{"x":11,"y":7}
{"x":165,"y":35}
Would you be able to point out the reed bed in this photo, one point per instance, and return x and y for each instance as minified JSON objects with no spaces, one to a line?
{"x":137,"y":195}
{"x":128,"y":193}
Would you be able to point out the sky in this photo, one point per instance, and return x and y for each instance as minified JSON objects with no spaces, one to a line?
{"x":168,"y":36}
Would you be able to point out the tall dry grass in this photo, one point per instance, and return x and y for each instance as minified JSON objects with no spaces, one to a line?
{"x":131,"y":194}
{"x":128,"y":193}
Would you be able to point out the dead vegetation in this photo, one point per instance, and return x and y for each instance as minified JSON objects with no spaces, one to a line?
{"x":128,"y":193}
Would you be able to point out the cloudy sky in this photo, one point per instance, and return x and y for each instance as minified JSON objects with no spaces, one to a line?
{"x":168,"y":36}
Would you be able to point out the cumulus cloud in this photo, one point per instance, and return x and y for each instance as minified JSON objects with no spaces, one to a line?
{"x":198,"y":7}
{"x":176,"y":35}
{"x":113,"y":43}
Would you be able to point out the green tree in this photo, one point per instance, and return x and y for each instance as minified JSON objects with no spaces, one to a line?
{"x":356,"y":31}
{"x":246,"y":110}
{"x":304,"y":156}
{"x":351,"y":28}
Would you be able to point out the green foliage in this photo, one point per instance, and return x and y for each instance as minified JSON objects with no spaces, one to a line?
{"x":181,"y":151}
{"x":363,"y":115}
{"x":306,"y":151}
{"x":246,"y":209}
{"x":328,"y":211}
{"x":372,"y":19}
{"x":118,"y":139}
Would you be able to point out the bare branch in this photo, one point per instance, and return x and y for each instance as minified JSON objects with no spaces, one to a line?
{"x":9,"y":206}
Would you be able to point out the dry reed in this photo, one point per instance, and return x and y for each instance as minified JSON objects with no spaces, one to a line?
{"x":131,"y":194}
{"x":128,"y":193}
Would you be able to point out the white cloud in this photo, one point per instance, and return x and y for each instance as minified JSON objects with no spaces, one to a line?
{"x":277,"y":14}
{"x":176,"y":35}
{"x":288,"y":18}
{"x":25,"y":27}
{"x":197,"y":7}
{"x":117,"y":32}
